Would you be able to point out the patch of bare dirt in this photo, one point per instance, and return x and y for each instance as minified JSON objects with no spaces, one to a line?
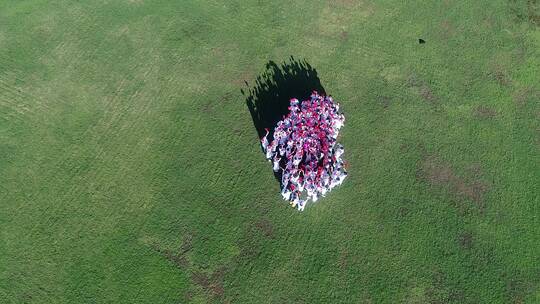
{"x":440,"y":174}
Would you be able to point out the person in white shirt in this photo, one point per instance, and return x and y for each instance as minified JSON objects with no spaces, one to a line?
{"x":277,"y":159}
{"x":264,"y":140}
{"x":339,"y":151}
{"x":286,"y":193}
{"x":269,"y":153}
{"x":282,"y":149}
{"x":301,"y":205}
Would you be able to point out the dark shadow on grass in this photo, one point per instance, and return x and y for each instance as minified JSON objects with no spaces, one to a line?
{"x":268,"y":99}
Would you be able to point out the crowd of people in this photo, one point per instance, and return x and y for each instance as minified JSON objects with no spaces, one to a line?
{"x":305,"y":151}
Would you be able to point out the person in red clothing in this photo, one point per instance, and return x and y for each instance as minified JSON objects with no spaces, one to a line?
{"x":304,"y":142}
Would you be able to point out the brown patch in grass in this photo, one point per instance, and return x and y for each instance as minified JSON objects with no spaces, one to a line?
{"x":517,"y":288}
{"x":187,"y":244}
{"x":405,"y":206}
{"x":403,"y":211}
{"x":530,"y":13}
{"x":412,"y":147}
{"x":423,"y":88}
{"x":475,"y":170}
{"x":344,"y":35}
{"x":226,"y":97}
{"x":524,"y":95}
{"x":466,"y":240}
{"x":178,"y":258}
{"x":404,"y":147}
{"x":343,"y":261}
{"x":385,"y":101}
{"x":414,"y":81}
{"x":521,"y":96}
{"x":182,"y":261}
{"x":500,"y":75}
{"x":533,"y":12}
{"x":347,"y":3}
{"x":484,"y":112}
{"x":244,"y":78}
{"x":188,"y":296}
{"x":211,"y":106}
{"x":217,"y":282}
{"x":474,"y":191}
{"x":248,"y":251}
{"x":427,"y":93}
{"x":447,"y":29}
{"x":208,"y":108}
{"x":439,"y":292}
{"x":212,"y":284}
{"x":513,"y":289}
{"x":201,"y":279}
{"x":266,"y":227}
{"x":256,"y":235}
{"x":354,"y":8}
{"x":437,"y":173}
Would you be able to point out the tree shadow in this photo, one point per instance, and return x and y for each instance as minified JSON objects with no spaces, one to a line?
{"x":268,"y":100}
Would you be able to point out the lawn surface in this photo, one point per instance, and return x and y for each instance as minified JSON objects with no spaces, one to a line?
{"x":130,"y":170}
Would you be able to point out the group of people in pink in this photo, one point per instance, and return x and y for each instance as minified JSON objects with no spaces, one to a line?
{"x":305,"y":149}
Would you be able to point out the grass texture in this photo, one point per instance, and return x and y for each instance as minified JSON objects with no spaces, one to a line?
{"x":130,"y":168}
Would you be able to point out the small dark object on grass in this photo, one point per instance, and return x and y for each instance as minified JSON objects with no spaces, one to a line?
{"x":421,"y":41}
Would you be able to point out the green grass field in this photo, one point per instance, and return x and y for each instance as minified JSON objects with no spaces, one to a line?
{"x":130,"y":168}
